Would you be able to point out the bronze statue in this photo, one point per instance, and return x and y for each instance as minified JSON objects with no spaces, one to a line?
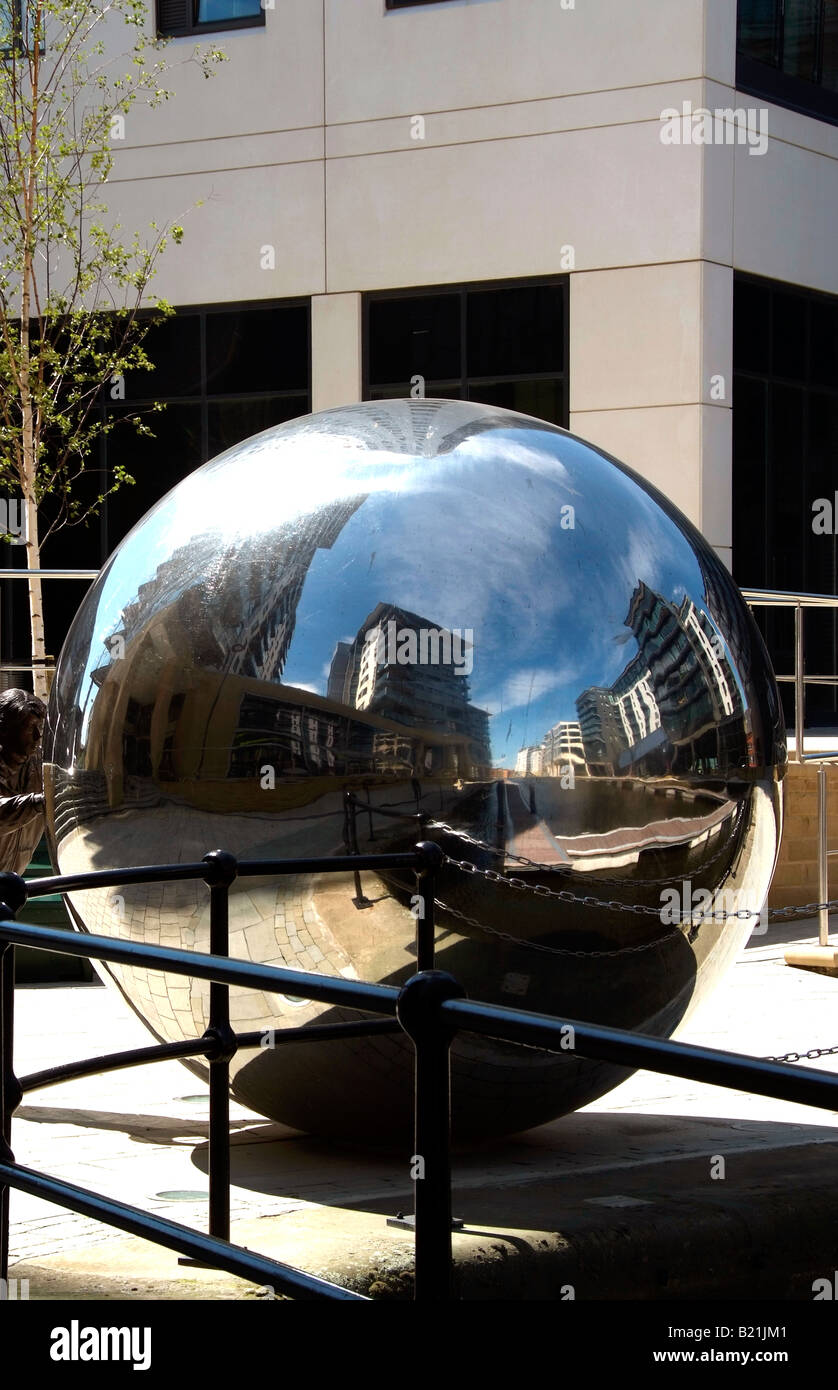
{"x":21,"y":780}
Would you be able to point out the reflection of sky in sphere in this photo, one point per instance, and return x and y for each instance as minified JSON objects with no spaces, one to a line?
{"x":547,"y":604}
{"x":471,"y":539}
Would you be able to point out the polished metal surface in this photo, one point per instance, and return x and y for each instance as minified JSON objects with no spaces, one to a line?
{"x":440,"y":607}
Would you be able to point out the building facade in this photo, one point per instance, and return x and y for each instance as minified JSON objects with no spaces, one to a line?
{"x":619,"y":218}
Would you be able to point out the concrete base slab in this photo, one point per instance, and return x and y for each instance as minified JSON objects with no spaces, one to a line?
{"x":762,"y":1229}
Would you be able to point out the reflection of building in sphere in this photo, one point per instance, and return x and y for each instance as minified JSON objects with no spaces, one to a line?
{"x":602,"y":735}
{"x":529,"y":761}
{"x":240,"y":615}
{"x":264,"y":698}
{"x":412,"y":671}
{"x":675,"y":705}
{"x":563,"y":749}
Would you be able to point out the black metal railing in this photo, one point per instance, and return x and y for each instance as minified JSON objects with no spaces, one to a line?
{"x":430,"y":1008}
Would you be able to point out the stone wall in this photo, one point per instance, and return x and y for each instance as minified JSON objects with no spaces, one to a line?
{"x":796,"y":877}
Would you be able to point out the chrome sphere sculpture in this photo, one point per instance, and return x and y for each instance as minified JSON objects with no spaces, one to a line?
{"x":440,"y":608}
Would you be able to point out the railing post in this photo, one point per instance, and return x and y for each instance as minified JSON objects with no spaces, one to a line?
{"x":7,"y":1097}
{"x":13,"y":895}
{"x":350,"y":835}
{"x":823,"y":858}
{"x":369,"y":813}
{"x":418,"y":1011}
{"x":221,"y":871}
{"x":426,"y":878}
{"x":501,"y":800}
{"x":799,"y":682}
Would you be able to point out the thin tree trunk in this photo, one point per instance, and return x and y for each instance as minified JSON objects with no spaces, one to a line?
{"x":29,"y":430}
{"x":40,"y":677}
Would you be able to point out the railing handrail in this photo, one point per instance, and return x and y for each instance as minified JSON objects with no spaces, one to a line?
{"x":788,"y":598}
{"x":49,"y":574}
{"x":619,"y":1045}
{"x":781,"y":598}
{"x":430,"y":1008}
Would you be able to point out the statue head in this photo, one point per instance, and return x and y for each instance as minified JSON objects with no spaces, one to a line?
{"x":22,"y":717}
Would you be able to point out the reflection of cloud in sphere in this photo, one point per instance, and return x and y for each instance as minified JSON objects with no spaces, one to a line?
{"x":446,"y":609}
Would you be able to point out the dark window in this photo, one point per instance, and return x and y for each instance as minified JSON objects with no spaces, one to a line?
{"x":202,"y":16}
{"x":785,"y":443}
{"x":174,"y":347}
{"x":503,"y":343}
{"x":787,"y":52}
{"x":405,"y":4}
{"x":420,"y":334}
{"x":224,"y":373}
{"x":16,"y":27}
{"x":250,"y":350}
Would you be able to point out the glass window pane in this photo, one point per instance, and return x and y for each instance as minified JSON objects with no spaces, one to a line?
{"x":820,"y":576}
{"x":751,"y":318}
{"x":432,"y":392}
{"x":789,"y":336}
{"x":823,"y":368}
{"x":72,"y":547}
{"x":156,"y":464}
{"x":415,"y":336}
{"x":175,"y":349}
{"x":214,"y":11}
{"x":16,"y":24}
{"x":829,"y":67}
{"x":8,"y":13}
{"x":231,"y":421}
{"x":543,"y":399}
{"x":512,"y":331}
{"x":257,"y":350}
{"x":749,"y":472}
{"x":800,"y":38}
{"x":822,"y":448}
{"x":759,"y":30}
{"x":789,"y":530}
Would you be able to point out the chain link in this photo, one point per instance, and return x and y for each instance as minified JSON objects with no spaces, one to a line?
{"x":776,"y":914}
{"x":551,"y":950}
{"x":564,"y":868}
{"x":779,"y":914}
{"x":803,"y":1056}
{"x":588,"y":900}
{"x":812,"y":1053}
{"x":805,"y":909}
{"x":609,"y":904}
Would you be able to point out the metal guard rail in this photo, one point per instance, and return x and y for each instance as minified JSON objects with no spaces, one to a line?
{"x":782,"y":598}
{"x":430,"y":1008}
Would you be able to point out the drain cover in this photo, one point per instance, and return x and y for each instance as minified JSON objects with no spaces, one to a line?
{"x":182,"y":1194}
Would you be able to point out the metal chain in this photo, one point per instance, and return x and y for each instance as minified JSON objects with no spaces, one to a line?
{"x":776,"y":914}
{"x":802,"y":1056}
{"x":551,"y":950}
{"x":612,"y":904}
{"x":810,"y":1055}
{"x":564,"y":868}
{"x":465,"y":866}
{"x":779,"y":914}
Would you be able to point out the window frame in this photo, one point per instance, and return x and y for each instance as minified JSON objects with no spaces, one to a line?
{"x":759,"y":517}
{"x":462,"y":289}
{"x":758,"y":79}
{"x":16,"y":48}
{"x":212,"y":27}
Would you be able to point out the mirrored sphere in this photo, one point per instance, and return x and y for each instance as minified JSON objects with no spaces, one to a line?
{"x":409,"y":620}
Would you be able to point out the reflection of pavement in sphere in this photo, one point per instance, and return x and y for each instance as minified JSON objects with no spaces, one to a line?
{"x":616,"y":731}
